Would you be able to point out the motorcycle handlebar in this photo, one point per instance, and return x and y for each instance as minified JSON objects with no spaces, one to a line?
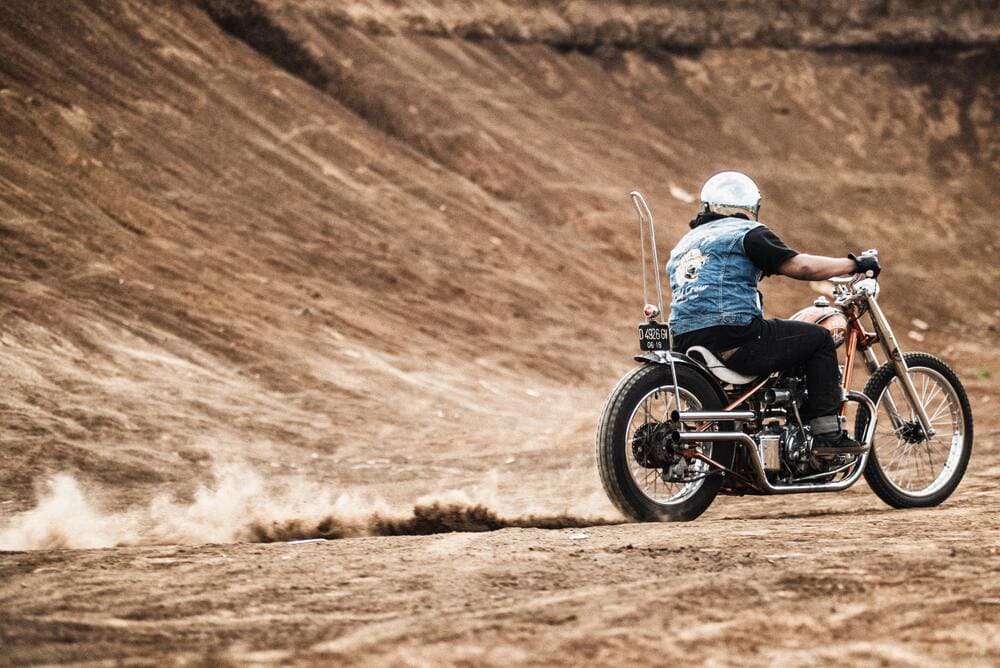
{"x":851,"y":279}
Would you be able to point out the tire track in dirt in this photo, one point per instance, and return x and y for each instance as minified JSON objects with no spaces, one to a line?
{"x":426,"y":520}
{"x":241,"y":505}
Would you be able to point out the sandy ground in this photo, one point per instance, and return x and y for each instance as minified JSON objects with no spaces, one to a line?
{"x":796,"y":583}
{"x":837,"y":579}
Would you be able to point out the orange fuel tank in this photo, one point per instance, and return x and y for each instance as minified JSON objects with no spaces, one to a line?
{"x":825,"y":316}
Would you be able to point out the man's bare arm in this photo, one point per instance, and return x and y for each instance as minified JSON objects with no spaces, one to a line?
{"x":816,"y":267}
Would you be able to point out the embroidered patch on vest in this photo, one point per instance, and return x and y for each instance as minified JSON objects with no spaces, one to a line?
{"x":689,"y":265}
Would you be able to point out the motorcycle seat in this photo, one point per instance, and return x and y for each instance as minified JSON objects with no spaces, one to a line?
{"x":718,"y":369}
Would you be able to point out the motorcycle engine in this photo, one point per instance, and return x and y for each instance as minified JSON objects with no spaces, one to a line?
{"x":797,"y":453}
{"x":795,"y":445}
{"x":793,"y":441}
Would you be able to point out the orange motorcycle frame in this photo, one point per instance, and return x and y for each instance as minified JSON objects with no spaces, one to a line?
{"x":858,"y":341}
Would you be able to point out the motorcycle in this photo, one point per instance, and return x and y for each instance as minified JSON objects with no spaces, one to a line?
{"x":681,"y":428}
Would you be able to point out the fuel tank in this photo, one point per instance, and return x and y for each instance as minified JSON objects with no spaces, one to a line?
{"x":825,"y":316}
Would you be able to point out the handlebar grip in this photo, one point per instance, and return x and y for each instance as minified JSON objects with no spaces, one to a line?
{"x":867,"y":262}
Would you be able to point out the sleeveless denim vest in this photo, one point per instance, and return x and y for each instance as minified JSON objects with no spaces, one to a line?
{"x":712,"y":280}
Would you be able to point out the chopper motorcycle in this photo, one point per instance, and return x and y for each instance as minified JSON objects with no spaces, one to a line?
{"x":681,"y":428}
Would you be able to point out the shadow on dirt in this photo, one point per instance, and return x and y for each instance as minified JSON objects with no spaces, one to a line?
{"x":809,"y":514}
{"x":427,"y":519}
{"x":249,"y":21}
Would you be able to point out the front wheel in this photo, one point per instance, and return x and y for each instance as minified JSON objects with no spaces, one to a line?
{"x":641,"y":474}
{"x":905,"y":468}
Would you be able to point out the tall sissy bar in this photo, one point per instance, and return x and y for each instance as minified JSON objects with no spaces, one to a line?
{"x":650,"y":310}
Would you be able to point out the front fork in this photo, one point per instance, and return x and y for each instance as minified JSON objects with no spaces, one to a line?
{"x":892,"y":351}
{"x":872,"y":363}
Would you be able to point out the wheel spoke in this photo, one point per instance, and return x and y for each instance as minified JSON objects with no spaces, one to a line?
{"x":930,"y":460}
{"x":930,"y":396}
{"x":897,"y":453}
{"x":668,"y":399}
{"x":941,"y":406}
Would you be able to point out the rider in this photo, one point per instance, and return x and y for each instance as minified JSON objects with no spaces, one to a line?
{"x":714,"y":271}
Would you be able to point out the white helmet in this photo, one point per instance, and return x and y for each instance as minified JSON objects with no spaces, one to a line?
{"x":729,"y":191}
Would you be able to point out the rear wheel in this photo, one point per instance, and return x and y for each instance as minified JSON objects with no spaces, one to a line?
{"x":641,"y":473}
{"x":905,"y":468}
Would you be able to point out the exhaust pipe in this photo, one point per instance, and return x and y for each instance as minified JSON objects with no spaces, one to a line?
{"x":764,"y":484}
{"x":774,"y":397}
{"x":711,"y":416}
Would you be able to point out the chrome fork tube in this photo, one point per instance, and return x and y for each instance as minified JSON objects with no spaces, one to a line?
{"x":871,"y":361}
{"x":893,"y":352}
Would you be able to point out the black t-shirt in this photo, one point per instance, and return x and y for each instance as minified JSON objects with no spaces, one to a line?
{"x":764,"y":248}
{"x":767,"y":252}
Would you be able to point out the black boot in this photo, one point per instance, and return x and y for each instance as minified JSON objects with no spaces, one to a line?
{"x":836,"y":443}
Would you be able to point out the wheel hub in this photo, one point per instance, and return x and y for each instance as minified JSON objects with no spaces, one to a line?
{"x":912,"y":432}
{"x":652,"y":447}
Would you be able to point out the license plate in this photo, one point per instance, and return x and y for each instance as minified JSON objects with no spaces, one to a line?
{"x":654,"y":336}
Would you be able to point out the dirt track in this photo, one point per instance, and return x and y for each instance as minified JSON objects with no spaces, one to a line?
{"x":850,"y":582}
{"x":756,"y":581}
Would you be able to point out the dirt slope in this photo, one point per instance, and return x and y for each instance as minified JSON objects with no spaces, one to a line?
{"x":208,"y":255}
{"x":386,"y":250}
{"x":683,"y":24}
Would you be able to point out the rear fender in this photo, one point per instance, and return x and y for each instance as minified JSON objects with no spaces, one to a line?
{"x":663,"y":357}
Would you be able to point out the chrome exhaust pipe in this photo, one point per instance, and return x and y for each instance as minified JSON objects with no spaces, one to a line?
{"x":862,"y":398}
{"x":758,"y":466}
{"x":711,"y":416}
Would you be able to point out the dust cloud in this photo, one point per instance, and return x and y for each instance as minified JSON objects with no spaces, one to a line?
{"x":240,"y":505}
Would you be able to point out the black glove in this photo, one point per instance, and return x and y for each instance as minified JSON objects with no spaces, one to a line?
{"x":866,"y":264}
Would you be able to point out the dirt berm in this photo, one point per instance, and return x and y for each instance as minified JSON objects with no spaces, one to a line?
{"x":269,"y":262}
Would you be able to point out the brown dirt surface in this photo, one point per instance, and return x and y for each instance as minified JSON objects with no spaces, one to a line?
{"x":366,"y":272}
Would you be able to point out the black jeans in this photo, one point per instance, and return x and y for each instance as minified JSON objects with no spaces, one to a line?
{"x":764,"y":346}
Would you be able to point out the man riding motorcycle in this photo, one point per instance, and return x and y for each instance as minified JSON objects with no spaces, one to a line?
{"x":714,"y":271}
